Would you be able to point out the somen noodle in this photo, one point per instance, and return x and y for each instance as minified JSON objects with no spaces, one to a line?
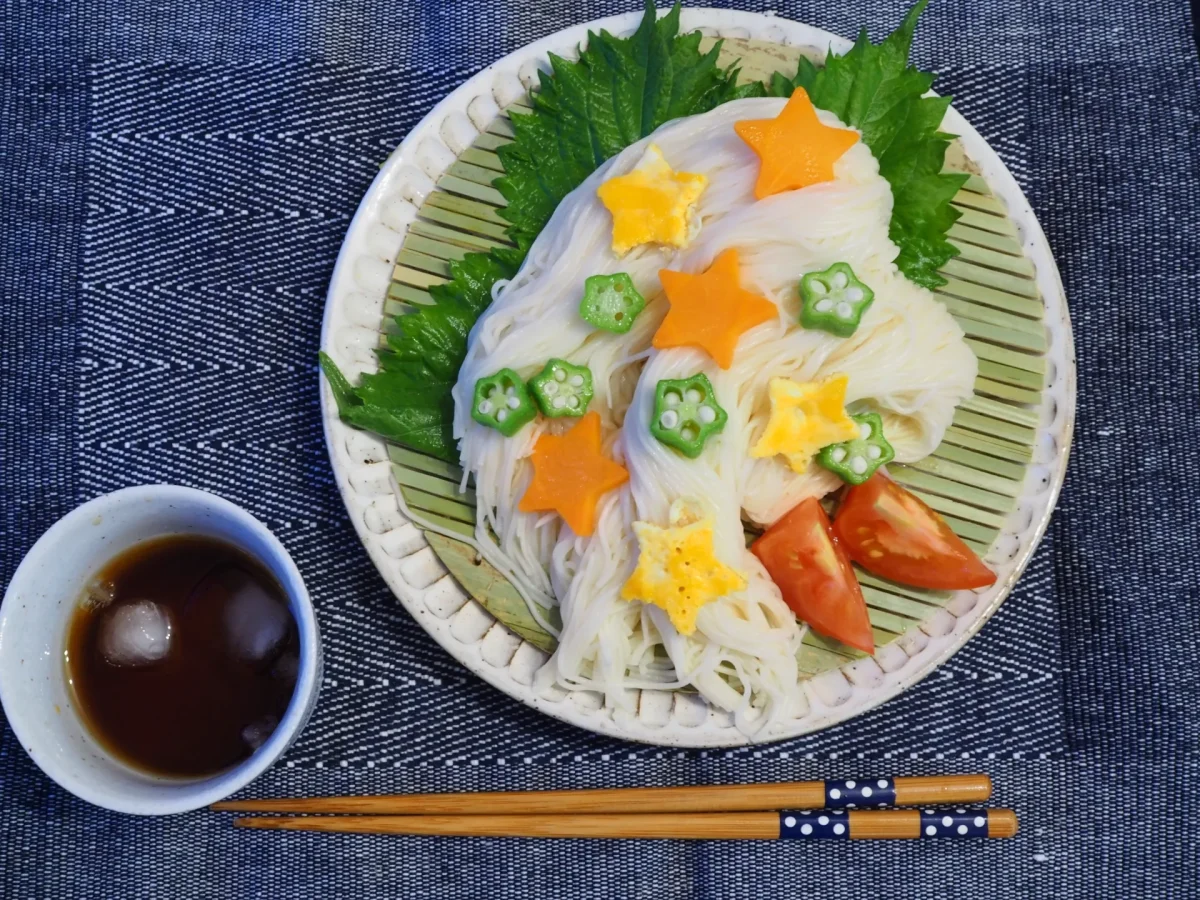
{"x":907,"y":360}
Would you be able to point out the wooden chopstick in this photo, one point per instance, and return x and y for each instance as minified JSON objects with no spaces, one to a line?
{"x":952,"y":790}
{"x":805,"y":825}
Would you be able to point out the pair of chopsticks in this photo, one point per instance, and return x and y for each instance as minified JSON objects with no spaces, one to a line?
{"x":748,"y":811}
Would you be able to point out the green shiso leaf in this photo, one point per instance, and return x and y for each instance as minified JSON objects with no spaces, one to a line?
{"x":408,"y":400}
{"x":585,"y":112}
{"x":874,"y":89}
{"x":619,"y":91}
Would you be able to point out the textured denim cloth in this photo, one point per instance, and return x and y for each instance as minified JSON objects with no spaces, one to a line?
{"x":176,"y":181}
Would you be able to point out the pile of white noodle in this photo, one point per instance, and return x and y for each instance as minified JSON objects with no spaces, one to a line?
{"x":907,"y":360}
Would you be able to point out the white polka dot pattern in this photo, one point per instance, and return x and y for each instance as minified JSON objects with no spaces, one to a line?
{"x":832,"y":824}
{"x":851,"y":793}
{"x":960,"y":823}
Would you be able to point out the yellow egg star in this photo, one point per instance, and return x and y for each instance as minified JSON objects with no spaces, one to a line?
{"x":652,"y":204}
{"x":678,"y":571}
{"x":805,"y":418}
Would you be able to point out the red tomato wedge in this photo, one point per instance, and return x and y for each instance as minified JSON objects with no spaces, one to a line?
{"x":814,"y":575}
{"x":890,"y":532}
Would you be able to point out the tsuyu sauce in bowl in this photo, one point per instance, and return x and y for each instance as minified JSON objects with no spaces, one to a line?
{"x":182,"y":656}
{"x":140,"y":742}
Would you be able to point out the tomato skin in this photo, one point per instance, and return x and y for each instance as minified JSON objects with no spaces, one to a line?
{"x":814,"y":575}
{"x":891,"y":533}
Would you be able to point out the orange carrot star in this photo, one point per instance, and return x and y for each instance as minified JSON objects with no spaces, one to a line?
{"x":710,"y":311}
{"x":794,"y":149}
{"x":570,"y":475}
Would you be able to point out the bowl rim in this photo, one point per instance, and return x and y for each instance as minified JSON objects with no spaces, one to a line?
{"x":177,"y":795}
{"x":355,"y":456}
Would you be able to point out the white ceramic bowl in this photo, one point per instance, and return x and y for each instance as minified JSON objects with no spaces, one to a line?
{"x":33,"y":628}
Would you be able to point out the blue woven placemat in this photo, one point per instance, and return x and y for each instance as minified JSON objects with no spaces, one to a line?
{"x":176,"y":181}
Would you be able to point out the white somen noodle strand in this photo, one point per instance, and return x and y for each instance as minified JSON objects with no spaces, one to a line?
{"x":907,"y":360}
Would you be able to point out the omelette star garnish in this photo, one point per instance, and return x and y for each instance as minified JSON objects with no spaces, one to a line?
{"x":678,"y":571}
{"x":805,"y":418}
{"x":651,"y":204}
{"x":570,"y":475}
{"x":710,"y":311}
{"x":794,"y":149}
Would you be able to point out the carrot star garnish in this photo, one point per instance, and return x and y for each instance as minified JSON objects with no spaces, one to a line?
{"x":678,"y":571}
{"x":652,"y":204}
{"x":805,"y":418}
{"x":795,"y":149}
{"x":570,"y":475}
{"x":710,"y":311}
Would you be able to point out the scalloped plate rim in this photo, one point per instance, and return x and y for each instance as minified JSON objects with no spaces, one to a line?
{"x":616,"y":723}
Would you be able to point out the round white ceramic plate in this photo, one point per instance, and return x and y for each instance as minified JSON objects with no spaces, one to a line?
{"x":462,"y":626}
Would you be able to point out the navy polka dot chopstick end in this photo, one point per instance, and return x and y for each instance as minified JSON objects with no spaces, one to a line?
{"x":852,"y":824}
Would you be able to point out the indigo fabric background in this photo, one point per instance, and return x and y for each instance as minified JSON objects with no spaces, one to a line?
{"x":175,"y":181}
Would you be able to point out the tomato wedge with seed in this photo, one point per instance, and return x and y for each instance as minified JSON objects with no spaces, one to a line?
{"x":814,"y":575}
{"x":891,"y":533}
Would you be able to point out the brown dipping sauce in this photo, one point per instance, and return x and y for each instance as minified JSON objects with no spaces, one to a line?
{"x":182,"y":656}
